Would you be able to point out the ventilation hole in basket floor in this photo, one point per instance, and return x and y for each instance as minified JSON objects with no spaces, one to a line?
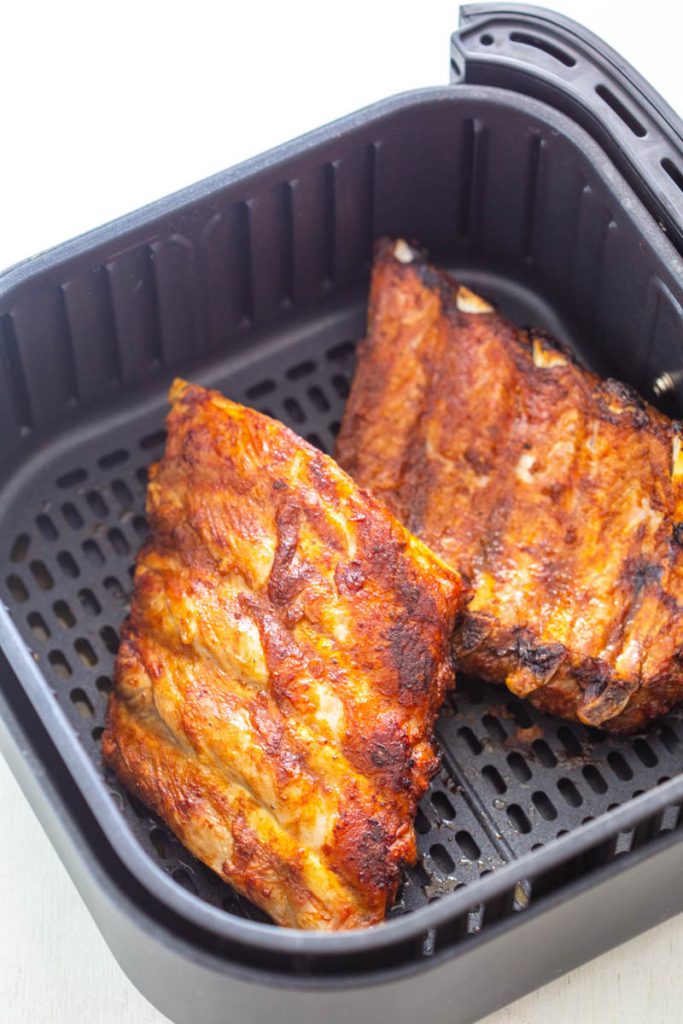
{"x":122,"y":493}
{"x":668,"y":737}
{"x":569,"y":741}
{"x":97,"y":504}
{"x":664,"y":778}
{"x":17,"y":588}
{"x":520,"y":714}
{"x":183,"y":877}
{"x":644,"y":751}
{"x":85,"y":652}
{"x":341,"y":385}
{"x":544,"y":806}
{"x":68,"y":565}
{"x":519,"y":766}
{"x":72,"y":516}
{"x":93,"y":552}
{"x":154,"y":440}
{"x":141,"y":474}
{"x":118,"y":541}
{"x":137,"y":807}
{"x":470,"y":739}
{"x":110,"y":639}
{"x":594,"y":778}
{"x":97,"y":732}
{"x":294,"y":410}
{"x":82,"y":703}
{"x":41,"y":575}
{"x":71,"y":479}
{"x":260,"y":390}
{"x":116,"y":458}
{"x":104,"y":684}
{"x":319,"y":399}
{"x":619,"y":765}
{"x":159,"y":841}
{"x":19,"y":548}
{"x":342,"y":352}
{"x":334,"y":427}
{"x":570,"y":792}
{"x":47,"y":527}
{"x":65,"y":617}
{"x":300,"y":370}
{"x":442,"y":805}
{"x":89,"y":602}
{"x":315,"y":440}
{"x":468,"y":845}
{"x":422,"y":824}
{"x":113,"y":587}
{"x":442,"y":859}
{"x":38,"y":626}
{"x":494,"y":778}
{"x":518,"y":819}
{"x":141,"y":526}
{"x":543,"y":753}
{"x":494,"y":729}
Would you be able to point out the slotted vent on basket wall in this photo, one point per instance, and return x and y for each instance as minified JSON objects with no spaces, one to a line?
{"x":512,"y":779}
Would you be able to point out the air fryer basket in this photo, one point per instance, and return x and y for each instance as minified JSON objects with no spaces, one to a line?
{"x":255,"y":282}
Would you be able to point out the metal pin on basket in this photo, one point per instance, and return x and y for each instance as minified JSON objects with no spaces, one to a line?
{"x":667,"y":382}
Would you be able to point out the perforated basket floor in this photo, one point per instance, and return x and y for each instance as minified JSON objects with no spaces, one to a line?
{"x":511,"y":779}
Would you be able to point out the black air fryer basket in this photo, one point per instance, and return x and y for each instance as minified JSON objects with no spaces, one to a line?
{"x":549,"y":176}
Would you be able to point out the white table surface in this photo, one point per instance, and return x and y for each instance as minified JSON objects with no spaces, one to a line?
{"x":106,"y":107}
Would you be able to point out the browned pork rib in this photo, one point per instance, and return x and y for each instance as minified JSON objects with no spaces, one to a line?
{"x":559,"y":494}
{"x":285,"y":657}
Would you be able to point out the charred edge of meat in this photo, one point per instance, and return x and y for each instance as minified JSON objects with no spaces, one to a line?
{"x":541,"y":659}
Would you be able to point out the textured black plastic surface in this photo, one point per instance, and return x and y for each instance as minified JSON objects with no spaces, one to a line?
{"x":255,"y":282}
{"x":511,"y":780}
{"x":539,"y":53}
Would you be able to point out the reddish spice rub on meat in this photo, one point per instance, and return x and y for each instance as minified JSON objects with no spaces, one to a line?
{"x":557,"y":493}
{"x":278,"y":678}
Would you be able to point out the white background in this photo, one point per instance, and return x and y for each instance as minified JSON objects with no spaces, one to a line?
{"x":104,"y":107}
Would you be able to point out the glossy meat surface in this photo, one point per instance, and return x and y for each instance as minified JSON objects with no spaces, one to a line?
{"x":278,"y":678}
{"x":558,"y":494}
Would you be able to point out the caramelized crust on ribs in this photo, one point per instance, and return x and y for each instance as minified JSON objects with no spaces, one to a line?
{"x":279,"y":675}
{"x":559,"y":494}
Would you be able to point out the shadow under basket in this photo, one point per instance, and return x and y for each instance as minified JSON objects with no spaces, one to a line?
{"x":541,"y":843}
